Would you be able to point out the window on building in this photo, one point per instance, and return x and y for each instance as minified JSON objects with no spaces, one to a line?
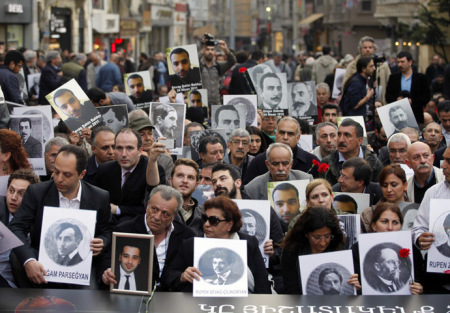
{"x":366,"y":5}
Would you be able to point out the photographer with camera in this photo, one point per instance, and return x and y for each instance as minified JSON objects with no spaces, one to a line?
{"x":367,"y":49}
{"x":212,"y":70}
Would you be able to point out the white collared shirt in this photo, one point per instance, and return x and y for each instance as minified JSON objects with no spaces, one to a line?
{"x":70,"y":204}
{"x":360,"y":155}
{"x":123,"y":280}
{"x":161,"y":249}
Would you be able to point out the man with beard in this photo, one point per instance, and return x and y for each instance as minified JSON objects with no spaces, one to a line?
{"x":239,"y":146}
{"x":286,"y":201}
{"x":77,"y":113}
{"x":398,"y":118}
{"x":420,"y":159}
{"x":32,"y":146}
{"x":326,"y":139}
{"x":330,"y":281}
{"x":165,"y":121}
{"x":184,"y":178}
{"x":386,"y":271}
{"x":248,"y":223}
{"x":129,"y":260}
{"x":137,"y":89}
{"x":444,"y":248}
{"x":184,"y":74}
{"x":302,"y":101}
{"x":271,"y":91}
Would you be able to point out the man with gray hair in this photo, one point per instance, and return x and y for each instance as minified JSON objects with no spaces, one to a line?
{"x":288,"y":132}
{"x":51,"y":76}
{"x":159,"y":220}
{"x":239,"y":146}
{"x":323,"y":95}
{"x":397,"y":148}
{"x":279,"y":161}
{"x":50,"y":152}
{"x":93,"y":69}
{"x":326,"y":139}
{"x":367,"y":49}
{"x":75,"y":69}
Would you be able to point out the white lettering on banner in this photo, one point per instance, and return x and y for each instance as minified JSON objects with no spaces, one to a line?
{"x":14,"y":8}
{"x":312,"y":309}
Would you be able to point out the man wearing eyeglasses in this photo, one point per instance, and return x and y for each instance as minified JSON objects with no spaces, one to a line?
{"x":420,"y":160}
{"x":77,"y":113}
{"x":159,"y":220}
{"x":239,"y":146}
{"x":385,"y":274}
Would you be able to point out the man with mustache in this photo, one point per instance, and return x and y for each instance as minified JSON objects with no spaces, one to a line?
{"x":302,"y":101}
{"x":185,"y":178}
{"x":271,"y":91}
{"x":330,"y":281}
{"x":420,"y":159}
{"x":227,"y":117}
{"x":326,"y":139}
{"x":398,"y":118}
{"x":239,"y":146}
{"x":350,"y":137}
{"x":165,"y":121}
{"x":386,"y":271}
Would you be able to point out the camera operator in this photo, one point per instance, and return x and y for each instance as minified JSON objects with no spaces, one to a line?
{"x":212,"y":70}
{"x":367,"y":49}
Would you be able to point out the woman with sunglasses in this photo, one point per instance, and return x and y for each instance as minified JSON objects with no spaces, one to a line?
{"x":393,"y":184}
{"x":316,"y":231}
{"x":388,"y":217}
{"x":222,"y":220}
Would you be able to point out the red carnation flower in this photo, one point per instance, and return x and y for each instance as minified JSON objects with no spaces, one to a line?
{"x":323,"y":167}
{"x":315,"y":162}
{"x":242,"y":69}
{"x":404,"y":253}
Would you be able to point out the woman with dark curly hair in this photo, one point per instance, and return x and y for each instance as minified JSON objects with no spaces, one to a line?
{"x":316,"y":231}
{"x":12,"y":153}
{"x":222,"y":219}
{"x":258,"y":143}
{"x":393,"y":184}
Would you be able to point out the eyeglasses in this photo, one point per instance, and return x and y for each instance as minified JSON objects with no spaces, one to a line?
{"x":213,"y":220}
{"x":318,"y":238}
{"x":395,"y":151}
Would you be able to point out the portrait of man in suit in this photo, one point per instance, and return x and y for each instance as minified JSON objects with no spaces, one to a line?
{"x":222,"y":264}
{"x":129,"y":260}
{"x":384,"y":272}
{"x":68,"y":238}
{"x":444,"y":248}
{"x":271,"y":91}
{"x":31,"y":144}
{"x":164,"y":119}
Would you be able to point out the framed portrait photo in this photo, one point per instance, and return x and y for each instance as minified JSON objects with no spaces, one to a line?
{"x":132,"y":263}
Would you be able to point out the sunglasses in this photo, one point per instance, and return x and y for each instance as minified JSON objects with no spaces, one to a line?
{"x":213,"y":220}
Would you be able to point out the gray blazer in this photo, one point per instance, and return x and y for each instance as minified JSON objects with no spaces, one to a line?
{"x":257,"y":188}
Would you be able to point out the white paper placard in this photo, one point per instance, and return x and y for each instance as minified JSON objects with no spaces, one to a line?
{"x":439,"y":252}
{"x":3,"y":185}
{"x":379,"y":259}
{"x":223,"y":257}
{"x":256,"y":221}
{"x":67,"y":232}
{"x":317,"y":269}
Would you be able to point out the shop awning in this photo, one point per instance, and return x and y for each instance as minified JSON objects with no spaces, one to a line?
{"x":310,"y":19}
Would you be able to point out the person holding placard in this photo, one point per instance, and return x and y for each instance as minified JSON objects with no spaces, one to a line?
{"x":316,"y":231}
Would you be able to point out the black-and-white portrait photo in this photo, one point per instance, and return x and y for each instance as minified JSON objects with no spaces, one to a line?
{"x":166,"y":119}
{"x":203,"y":193}
{"x":329,"y":279}
{"x":46,"y":112}
{"x":302,"y":100}
{"x":197,"y":135}
{"x":396,"y":116}
{"x":221,"y":266}
{"x":409,"y":212}
{"x":444,"y":248}
{"x":250,"y":102}
{"x":114,"y":116}
{"x":67,"y":242}
{"x":228,"y":117}
{"x":29,"y":127}
{"x":33,"y":85}
{"x":254,"y":224}
{"x":383,"y":269}
{"x":350,"y":226}
{"x":272,"y":93}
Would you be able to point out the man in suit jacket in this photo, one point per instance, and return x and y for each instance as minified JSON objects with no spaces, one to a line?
{"x":66,"y":190}
{"x":51,"y":76}
{"x":288,"y":132}
{"x":32,"y":146}
{"x":385,"y":276}
{"x":128,"y":178}
{"x":159,"y":220}
{"x":129,"y":259}
{"x":415,"y":83}
{"x":279,"y":164}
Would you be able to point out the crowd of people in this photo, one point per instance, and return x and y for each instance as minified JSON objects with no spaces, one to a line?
{"x":135,"y":185}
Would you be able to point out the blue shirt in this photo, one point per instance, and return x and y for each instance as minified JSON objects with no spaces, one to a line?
{"x":406,"y":83}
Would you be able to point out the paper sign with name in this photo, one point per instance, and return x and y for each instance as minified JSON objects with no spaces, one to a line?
{"x":8,"y":240}
{"x":223,"y":263}
{"x":65,"y":244}
{"x":256,"y":221}
{"x":38,"y":166}
{"x":439,"y":252}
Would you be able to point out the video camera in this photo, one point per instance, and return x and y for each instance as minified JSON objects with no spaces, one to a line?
{"x":209,"y":40}
{"x":378,"y":59}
